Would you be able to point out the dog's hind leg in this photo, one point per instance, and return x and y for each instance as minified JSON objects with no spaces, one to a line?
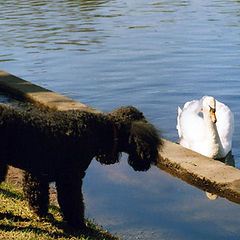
{"x":36,"y":190}
{"x":70,"y":199}
{"x":3,"y":171}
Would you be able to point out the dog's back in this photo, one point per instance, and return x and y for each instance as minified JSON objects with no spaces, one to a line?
{"x":41,"y":141}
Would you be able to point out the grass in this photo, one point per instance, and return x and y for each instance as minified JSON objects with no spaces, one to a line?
{"x":18,"y":222}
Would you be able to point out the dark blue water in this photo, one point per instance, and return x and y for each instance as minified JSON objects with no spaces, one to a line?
{"x":154,"y":55}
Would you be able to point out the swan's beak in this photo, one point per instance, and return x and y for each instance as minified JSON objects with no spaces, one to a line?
{"x":213,"y":115}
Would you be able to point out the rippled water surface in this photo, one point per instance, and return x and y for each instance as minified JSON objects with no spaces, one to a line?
{"x":154,"y":55}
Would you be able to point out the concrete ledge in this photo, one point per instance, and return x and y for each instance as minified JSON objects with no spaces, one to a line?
{"x":205,"y":173}
{"x":41,"y":97}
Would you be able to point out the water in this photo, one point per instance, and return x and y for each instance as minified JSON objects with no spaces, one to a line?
{"x":154,"y":55}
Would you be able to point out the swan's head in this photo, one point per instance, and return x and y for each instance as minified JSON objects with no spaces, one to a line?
{"x":209,"y":105}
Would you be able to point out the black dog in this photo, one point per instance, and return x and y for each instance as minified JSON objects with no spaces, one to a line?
{"x":59,"y":146}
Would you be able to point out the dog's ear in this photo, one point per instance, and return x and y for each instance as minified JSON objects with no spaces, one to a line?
{"x":144,"y":142}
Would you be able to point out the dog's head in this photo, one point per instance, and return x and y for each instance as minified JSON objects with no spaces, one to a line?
{"x":137,"y":137}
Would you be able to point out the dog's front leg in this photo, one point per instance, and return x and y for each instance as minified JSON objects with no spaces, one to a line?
{"x":70,"y":198}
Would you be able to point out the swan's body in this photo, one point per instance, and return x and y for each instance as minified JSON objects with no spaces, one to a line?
{"x":206,"y":126}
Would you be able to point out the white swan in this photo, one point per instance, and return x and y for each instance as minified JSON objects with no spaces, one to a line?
{"x":206,"y":126}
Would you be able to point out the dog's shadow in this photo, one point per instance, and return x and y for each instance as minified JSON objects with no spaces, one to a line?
{"x":68,"y":232}
{"x":65,"y":231}
{"x":12,"y":223}
{"x":10,"y":194}
{"x":16,"y":219}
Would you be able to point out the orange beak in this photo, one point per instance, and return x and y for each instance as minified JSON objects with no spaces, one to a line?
{"x":213,"y":115}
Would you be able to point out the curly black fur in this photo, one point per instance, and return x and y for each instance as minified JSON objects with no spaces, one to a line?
{"x":59,"y":146}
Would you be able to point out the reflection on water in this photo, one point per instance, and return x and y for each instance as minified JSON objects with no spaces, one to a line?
{"x":52,"y":25}
{"x":154,"y":54}
{"x":228,"y":160}
{"x":156,"y":206}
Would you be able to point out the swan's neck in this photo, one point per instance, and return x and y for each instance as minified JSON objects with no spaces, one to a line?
{"x":213,"y":136}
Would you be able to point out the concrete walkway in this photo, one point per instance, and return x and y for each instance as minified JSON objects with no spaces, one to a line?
{"x":205,"y":173}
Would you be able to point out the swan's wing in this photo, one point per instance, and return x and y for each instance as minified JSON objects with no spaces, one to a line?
{"x":188,"y":106}
{"x":190,"y":125}
{"x":178,"y":122}
{"x":225,"y":125}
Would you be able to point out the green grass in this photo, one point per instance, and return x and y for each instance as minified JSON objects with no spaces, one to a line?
{"x":18,"y":222}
